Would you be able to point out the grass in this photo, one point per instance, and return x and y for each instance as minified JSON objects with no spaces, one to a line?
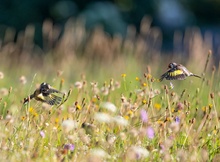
{"x":116,"y":109}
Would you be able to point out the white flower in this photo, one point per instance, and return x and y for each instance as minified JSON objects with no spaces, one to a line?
{"x":23,"y":79}
{"x":137,"y":152}
{"x":105,"y":91}
{"x":3,"y":91}
{"x":98,"y":152}
{"x":69,"y":125}
{"x":78,"y":85}
{"x":109,"y":106}
{"x":139,"y":92}
{"x":120,"y":120}
{"x":103,"y":117}
{"x":142,"y":152}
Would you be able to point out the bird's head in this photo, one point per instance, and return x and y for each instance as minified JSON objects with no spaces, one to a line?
{"x":172,"y":65}
{"x":44,"y":86}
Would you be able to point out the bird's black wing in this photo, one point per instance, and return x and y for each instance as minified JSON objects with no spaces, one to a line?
{"x":52,"y":99}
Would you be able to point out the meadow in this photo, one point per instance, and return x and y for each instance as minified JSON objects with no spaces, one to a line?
{"x":114,"y":107}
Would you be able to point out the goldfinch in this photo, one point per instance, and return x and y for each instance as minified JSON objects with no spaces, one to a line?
{"x":45,"y":94}
{"x":177,"y":72}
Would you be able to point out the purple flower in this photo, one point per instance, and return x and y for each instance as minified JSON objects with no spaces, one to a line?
{"x":177,"y":119}
{"x":42,"y":134}
{"x":144,"y":116}
{"x":150,"y":132}
{"x":70,"y":147}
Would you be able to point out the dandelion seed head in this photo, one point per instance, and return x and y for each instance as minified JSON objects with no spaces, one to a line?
{"x":103,"y":117}
{"x":108,"y":106}
{"x":117,"y":84}
{"x":69,"y":125}
{"x":139,"y":92}
{"x":175,"y":126}
{"x":4,"y":92}
{"x":105,"y":91}
{"x":78,"y":85}
{"x":99,"y":153}
{"x":23,"y":80}
{"x":137,"y":152}
{"x":120,"y":120}
{"x":111,"y":139}
{"x":9,"y":118}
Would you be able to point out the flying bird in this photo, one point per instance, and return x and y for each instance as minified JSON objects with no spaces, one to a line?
{"x":177,"y":72}
{"x":45,"y":94}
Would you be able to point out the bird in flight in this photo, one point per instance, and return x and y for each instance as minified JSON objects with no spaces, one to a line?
{"x":45,"y":94}
{"x":177,"y":72}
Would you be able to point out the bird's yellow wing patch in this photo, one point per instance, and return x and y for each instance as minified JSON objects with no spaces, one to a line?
{"x":175,"y":73}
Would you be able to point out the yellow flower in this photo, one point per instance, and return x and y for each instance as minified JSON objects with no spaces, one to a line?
{"x":130,"y":113}
{"x":137,"y":79}
{"x":149,"y":76}
{"x":123,"y":75}
{"x":78,"y":107}
{"x":160,"y":122}
{"x":203,"y":108}
{"x":126,"y":117}
{"x":210,"y":106}
{"x":144,"y":84}
{"x":157,"y":106}
{"x":35,"y":114}
{"x":56,"y":120}
{"x":23,"y":118}
{"x":214,"y":132}
{"x":94,"y":100}
{"x":144,"y":101}
{"x":31,"y":110}
{"x":168,"y":119}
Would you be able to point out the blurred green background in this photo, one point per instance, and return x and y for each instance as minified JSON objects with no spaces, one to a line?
{"x":113,"y":16}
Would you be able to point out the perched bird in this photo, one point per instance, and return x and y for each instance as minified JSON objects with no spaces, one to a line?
{"x":45,"y":94}
{"x":177,"y":72}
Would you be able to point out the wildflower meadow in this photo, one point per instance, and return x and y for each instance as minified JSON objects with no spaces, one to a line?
{"x":114,"y":107}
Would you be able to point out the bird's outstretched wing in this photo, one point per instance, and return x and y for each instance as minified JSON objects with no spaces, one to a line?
{"x":173,"y":74}
{"x":52,"y":99}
